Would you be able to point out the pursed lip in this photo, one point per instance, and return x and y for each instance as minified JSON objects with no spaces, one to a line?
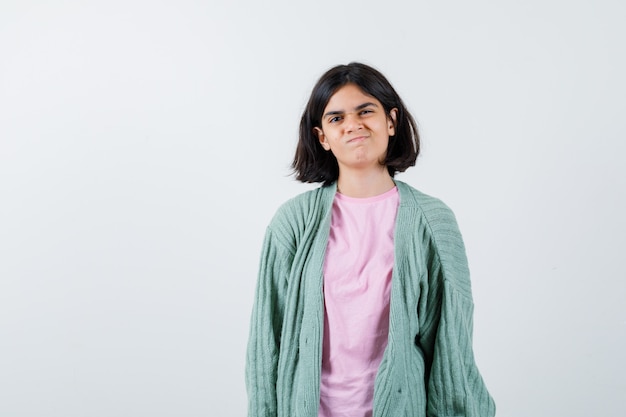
{"x":357,"y":139}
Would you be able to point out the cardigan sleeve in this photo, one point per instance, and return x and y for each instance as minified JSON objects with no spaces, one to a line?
{"x":454,"y":386}
{"x":265,"y":327}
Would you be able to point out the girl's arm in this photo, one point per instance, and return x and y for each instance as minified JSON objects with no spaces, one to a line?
{"x":265,"y":329}
{"x":455,"y":386}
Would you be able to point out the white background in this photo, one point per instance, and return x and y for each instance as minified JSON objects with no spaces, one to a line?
{"x":144,"y":146}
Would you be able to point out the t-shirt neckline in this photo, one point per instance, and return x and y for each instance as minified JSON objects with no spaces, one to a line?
{"x":366,"y":200}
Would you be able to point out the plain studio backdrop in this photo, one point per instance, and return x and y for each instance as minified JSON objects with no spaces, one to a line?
{"x":145,"y":145}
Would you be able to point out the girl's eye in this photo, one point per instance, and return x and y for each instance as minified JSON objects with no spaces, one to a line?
{"x":334,"y":119}
{"x":366,"y":111}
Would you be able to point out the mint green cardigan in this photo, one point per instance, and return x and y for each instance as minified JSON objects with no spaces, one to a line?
{"x":428,"y":367}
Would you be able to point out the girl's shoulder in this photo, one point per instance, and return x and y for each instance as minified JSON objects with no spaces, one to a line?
{"x":304,"y":203}
{"x":438,"y":217}
{"x":303,"y":212}
{"x":412,"y":197}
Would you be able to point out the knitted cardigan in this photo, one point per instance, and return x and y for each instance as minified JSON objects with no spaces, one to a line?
{"x":428,"y":367}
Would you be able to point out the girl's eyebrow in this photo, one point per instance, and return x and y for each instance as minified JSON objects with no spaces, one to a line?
{"x":357,"y":108}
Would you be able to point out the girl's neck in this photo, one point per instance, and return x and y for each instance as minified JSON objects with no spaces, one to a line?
{"x":358,"y":185}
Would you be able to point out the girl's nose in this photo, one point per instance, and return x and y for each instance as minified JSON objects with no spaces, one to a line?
{"x":352,"y":122}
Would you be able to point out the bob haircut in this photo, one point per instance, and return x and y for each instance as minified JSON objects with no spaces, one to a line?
{"x":312,"y":163}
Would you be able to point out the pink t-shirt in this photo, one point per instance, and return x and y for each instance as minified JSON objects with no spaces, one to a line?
{"x":357,"y":286}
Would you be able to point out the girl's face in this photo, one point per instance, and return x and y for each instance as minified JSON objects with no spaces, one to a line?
{"x":356,"y":129}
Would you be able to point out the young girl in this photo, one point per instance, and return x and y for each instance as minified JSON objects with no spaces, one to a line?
{"x":363,"y":304}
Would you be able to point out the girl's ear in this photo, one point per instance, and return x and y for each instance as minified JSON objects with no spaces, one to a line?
{"x":322,"y":138}
{"x":391,"y":122}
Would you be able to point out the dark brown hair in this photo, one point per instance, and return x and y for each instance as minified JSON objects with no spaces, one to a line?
{"x":312,"y":163}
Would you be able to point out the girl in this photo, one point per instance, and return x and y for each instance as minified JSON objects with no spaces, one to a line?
{"x":363,"y":304}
